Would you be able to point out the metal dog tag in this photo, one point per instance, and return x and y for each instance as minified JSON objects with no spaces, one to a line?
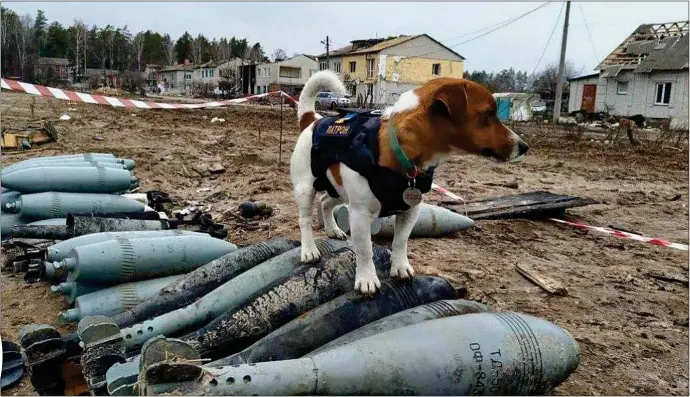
{"x":412,"y":196}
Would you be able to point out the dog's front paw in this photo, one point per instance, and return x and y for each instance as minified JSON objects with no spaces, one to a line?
{"x":402,"y":270}
{"x":367,"y":283}
{"x":336,"y":233}
{"x":310,"y":253}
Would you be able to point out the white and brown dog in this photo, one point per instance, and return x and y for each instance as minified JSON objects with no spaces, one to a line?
{"x":443,"y":117}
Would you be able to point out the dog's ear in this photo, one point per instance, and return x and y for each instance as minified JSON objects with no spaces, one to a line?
{"x":439,"y":107}
{"x":450,"y":101}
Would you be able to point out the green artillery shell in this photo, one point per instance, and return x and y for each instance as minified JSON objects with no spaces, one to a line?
{"x":115,"y":300}
{"x":475,"y":354}
{"x":48,"y":205}
{"x":123,"y":260}
{"x":415,"y":315}
{"x":69,"y":179}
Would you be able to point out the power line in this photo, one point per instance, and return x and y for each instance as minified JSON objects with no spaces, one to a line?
{"x":589,"y":34}
{"x":548,"y":41}
{"x":495,"y":26}
{"x":503,"y":23}
{"x":490,"y":26}
{"x":506,"y":23}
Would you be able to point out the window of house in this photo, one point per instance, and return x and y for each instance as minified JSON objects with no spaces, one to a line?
{"x":336,"y":67}
{"x":265,"y":89}
{"x":213,"y":72}
{"x":370,"y":68}
{"x":289,"y":72}
{"x":353,"y":67}
{"x":622,"y":88}
{"x":323,"y":65}
{"x":436,"y":69}
{"x":268,"y":70}
{"x":662,"y":94}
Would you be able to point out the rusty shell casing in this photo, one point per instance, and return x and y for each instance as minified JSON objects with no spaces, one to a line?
{"x":339,"y":316}
{"x":203,"y":280}
{"x":228,"y":297}
{"x":304,"y":289}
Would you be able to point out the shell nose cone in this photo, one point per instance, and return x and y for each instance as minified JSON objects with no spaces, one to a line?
{"x":522,"y":147}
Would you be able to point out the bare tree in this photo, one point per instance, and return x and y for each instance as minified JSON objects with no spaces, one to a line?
{"x":5,"y":30}
{"x":110,"y":43}
{"x":138,"y":44}
{"x":279,"y":55}
{"x":170,"y":51}
{"x":197,"y":49}
{"x":79,"y":45}
{"x":545,"y":82}
{"x":22,"y":35}
{"x":228,"y":82}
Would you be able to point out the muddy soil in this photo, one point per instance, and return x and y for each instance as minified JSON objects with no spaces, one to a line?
{"x":631,"y":327}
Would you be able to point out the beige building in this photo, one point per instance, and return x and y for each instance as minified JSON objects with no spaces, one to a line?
{"x":377,"y":71}
{"x":288,"y":75}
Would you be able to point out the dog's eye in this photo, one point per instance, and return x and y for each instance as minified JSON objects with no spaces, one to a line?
{"x":486,"y":116}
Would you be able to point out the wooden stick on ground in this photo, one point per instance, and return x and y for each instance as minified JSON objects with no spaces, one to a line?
{"x":551,"y":286}
{"x":668,"y":277}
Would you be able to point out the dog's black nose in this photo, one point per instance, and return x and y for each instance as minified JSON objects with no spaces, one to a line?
{"x":522,"y":147}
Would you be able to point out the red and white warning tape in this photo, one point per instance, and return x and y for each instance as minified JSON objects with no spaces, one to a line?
{"x":617,"y":233}
{"x":66,"y":95}
{"x":621,"y":234}
{"x":446,"y":192}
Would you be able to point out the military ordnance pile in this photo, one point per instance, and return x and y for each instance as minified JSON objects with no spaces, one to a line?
{"x":107,"y":273}
{"x":44,"y":190}
{"x":180,"y":312}
{"x":276,"y":326}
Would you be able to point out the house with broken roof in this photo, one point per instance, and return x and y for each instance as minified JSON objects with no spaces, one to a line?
{"x":647,"y":74}
{"x":377,"y":71}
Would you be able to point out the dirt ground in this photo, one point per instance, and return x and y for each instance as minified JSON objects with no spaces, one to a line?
{"x":632,"y":328}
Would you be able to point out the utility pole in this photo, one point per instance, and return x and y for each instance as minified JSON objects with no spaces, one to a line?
{"x":561,"y":67}
{"x":328,"y":52}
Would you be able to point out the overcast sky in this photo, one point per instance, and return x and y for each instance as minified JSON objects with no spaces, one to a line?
{"x":300,"y":27}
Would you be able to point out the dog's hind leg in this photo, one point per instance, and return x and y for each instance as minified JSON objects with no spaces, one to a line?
{"x":328,"y":203}
{"x":404,"y":222}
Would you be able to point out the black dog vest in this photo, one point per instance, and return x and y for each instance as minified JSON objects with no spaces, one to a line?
{"x":352,"y":138}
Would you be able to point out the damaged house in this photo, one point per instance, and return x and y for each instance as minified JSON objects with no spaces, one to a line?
{"x":377,"y":71}
{"x":645,"y":75}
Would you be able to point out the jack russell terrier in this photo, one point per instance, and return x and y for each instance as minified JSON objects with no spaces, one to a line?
{"x":381,"y":165}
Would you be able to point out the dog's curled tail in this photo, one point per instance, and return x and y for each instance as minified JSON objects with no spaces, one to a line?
{"x":324,"y":80}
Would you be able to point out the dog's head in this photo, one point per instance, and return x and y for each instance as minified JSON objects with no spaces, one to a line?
{"x":459,"y":115}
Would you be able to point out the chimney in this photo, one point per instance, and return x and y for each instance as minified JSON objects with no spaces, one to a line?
{"x":186,"y":61}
